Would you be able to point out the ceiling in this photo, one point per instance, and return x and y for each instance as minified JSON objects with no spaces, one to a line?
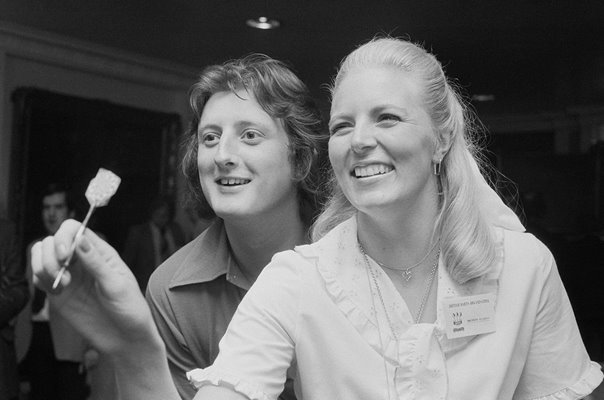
{"x":533,"y":54}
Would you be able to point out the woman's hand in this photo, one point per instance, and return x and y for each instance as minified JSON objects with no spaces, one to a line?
{"x":100,"y":297}
{"x":98,"y":294}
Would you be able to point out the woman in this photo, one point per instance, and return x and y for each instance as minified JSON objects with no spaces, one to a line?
{"x":421,"y":285}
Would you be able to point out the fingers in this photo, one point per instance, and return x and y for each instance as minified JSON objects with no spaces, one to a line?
{"x":103,"y":262}
{"x":44,"y":263}
{"x":92,"y":255}
{"x":64,"y":238}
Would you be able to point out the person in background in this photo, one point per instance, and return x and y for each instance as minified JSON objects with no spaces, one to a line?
{"x":421,"y":283}
{"x":14,"y":294}
{"x":152,"y":242}
{"x":197,"y":224}
{"x":50,"y":351}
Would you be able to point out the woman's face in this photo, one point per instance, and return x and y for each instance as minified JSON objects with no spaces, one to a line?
{"x":243,"y":158}
{"x":382,"y":142}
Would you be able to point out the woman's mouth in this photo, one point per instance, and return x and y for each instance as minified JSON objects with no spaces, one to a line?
{"x":371,"y":170}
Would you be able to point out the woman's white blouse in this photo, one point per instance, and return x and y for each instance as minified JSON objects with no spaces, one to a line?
{"x":314,"y":309}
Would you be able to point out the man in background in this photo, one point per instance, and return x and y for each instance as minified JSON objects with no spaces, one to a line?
{"x":151,"y":243}
{"x":50,"y":351}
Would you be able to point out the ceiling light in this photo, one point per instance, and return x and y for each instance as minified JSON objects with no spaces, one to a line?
{"x":263,"y":23}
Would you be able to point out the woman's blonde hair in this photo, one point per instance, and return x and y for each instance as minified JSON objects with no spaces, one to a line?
{"x":467,"y":243}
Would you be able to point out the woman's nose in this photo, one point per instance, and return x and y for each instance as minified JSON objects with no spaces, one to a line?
{"x":363,"y":139}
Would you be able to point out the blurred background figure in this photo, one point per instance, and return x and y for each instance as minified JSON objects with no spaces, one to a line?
{"x":13,"y":297}
{"x":152,"y":242}
{"x":197,"y":223}
{"x":49,"y":350}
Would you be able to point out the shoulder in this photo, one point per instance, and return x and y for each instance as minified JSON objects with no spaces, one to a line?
{"x":288,"y":262}
{"x":287,"y":269}
{"x":525,"y":246}
{"x":526,"y":259}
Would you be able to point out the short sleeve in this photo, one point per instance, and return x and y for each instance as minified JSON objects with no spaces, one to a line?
{"x":258,"y":346}
{"x":558,"y":366}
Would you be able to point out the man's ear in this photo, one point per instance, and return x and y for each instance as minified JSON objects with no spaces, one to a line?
{"x":71,"y":214}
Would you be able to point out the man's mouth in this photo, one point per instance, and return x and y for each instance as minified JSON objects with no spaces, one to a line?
{"x":232,"y":181}
{"x":371,"y":170}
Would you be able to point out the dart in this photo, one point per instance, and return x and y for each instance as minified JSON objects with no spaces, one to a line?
{"x":99,"y":192}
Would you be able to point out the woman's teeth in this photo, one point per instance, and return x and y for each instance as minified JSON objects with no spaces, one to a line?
{"x":371,"y":170}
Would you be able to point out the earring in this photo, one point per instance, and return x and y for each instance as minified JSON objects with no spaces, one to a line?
{"x":436,"y":167}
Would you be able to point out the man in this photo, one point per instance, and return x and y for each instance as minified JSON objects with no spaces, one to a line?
{"x":13,"y":297}
{"x":151,"y":243}
{"x":252,"y":165}
{"x":50,"y":351}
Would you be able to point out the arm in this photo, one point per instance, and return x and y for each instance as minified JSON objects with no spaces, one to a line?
{"x":14,"y":292}
{"x":100,"y":297}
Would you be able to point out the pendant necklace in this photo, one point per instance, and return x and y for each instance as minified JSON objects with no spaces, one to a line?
{"x":427,"y":290}
{"x":406,"y":273}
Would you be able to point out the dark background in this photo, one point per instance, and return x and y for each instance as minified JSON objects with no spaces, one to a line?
{"x":533,"y":55}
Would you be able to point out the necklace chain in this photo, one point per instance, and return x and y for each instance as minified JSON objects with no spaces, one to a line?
{"x":406,"y":272}
{"x":427,"y":290}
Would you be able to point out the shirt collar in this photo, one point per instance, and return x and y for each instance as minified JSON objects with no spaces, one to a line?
{"x":208,"y":257}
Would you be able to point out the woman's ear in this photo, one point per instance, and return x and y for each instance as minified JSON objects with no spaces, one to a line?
{"x":443,"y":144}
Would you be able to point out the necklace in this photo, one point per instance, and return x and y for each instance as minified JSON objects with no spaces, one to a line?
{"x":406,"y":272}
{"x":427,"y":290}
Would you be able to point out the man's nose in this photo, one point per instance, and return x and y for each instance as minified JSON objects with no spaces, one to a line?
{"x":226,"y":153}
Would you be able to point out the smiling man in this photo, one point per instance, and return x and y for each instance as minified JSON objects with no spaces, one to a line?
{"x":252,"y":164}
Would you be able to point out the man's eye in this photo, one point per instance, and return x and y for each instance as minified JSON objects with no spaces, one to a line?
{"x":251,"y":135}
{"x":209,"y":138}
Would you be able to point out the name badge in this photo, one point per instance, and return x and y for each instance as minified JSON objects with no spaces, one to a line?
{"x":470,"y":315}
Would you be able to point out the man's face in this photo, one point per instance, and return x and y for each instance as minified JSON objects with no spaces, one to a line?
{"x":54,"y":212}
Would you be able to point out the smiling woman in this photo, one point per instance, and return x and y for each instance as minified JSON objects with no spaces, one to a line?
{"x":382,"y":143}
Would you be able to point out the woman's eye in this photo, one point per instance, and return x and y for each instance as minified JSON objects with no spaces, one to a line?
{"x":389,"y":118}
{"x":338,"y":128}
